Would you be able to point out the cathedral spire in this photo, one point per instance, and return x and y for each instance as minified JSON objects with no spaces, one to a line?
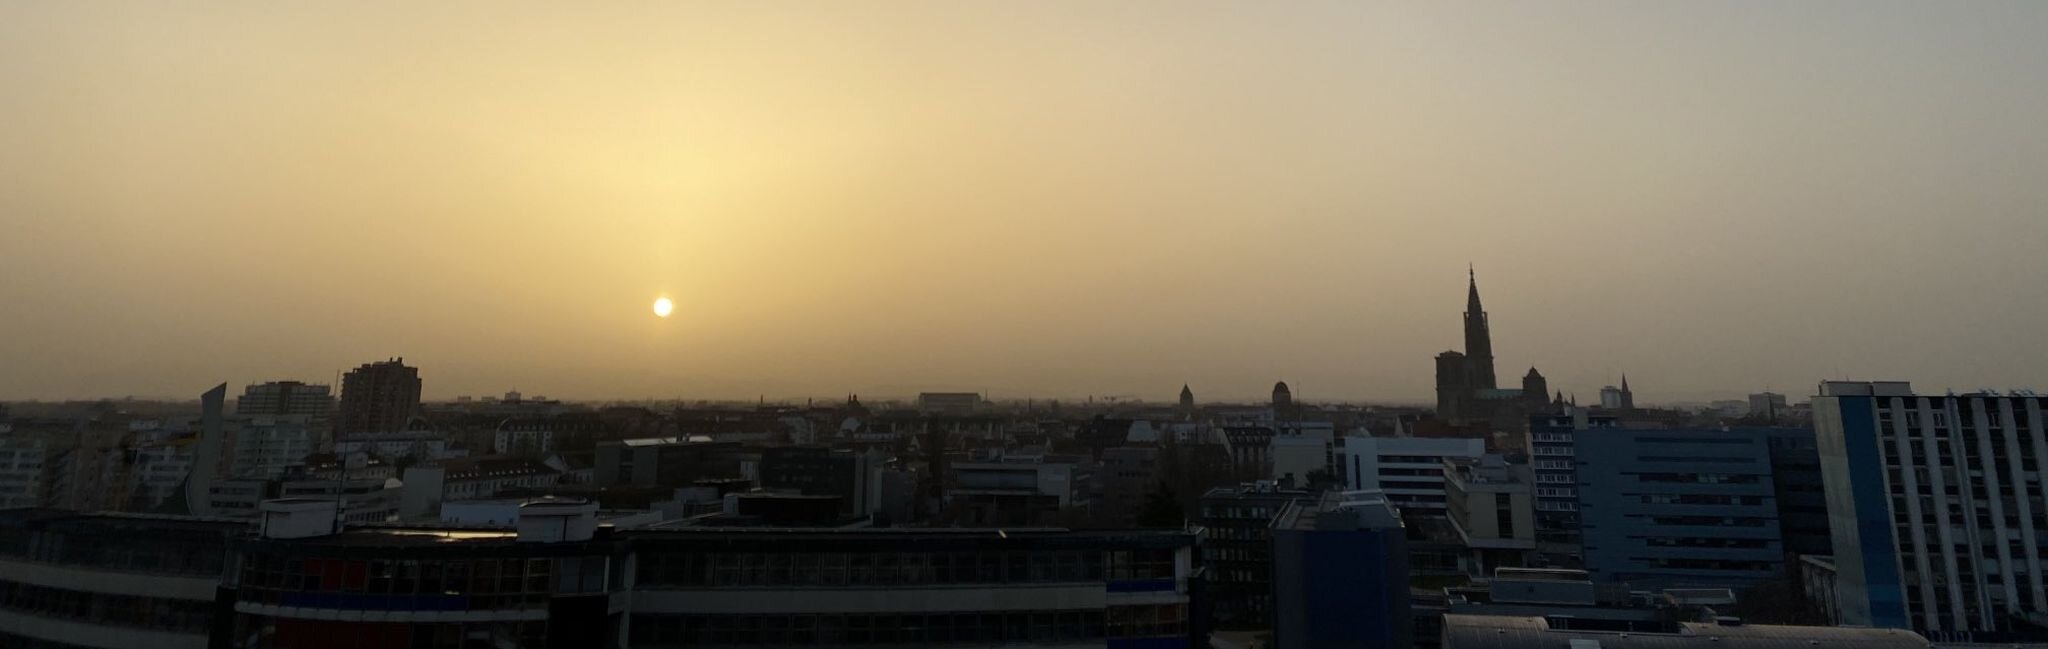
{"x":1478,"y":337}
{"x":1472,"y":293}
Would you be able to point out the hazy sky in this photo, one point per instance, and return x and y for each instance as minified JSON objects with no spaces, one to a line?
{"x":1052,"y":199}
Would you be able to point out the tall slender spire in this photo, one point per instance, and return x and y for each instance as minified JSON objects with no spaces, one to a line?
{"x":1472,"y":291}
{"x":1478,"y":337}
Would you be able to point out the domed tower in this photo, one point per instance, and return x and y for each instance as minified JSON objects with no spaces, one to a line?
{"x":1282,"y":397}
{"x":1187,"y":398}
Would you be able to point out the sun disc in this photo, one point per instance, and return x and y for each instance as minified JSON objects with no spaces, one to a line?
{"x":663,"y":307}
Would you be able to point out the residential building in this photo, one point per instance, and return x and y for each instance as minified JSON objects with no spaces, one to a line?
{"x":489,"y":476}
{"x":1680,"y":508}
{"x":1237,"y":550}
{"x":1340,"y":573}
{"x":266,"y":446}
{"x":1537,"y":632}
{"x":159,"y":464}
{"x":1491,"y":505}
{"x":117,"y":581}
{"x":285,"y":399}
{"x":378,"y":398}
{"x":1958,"y":477}
{"x":523,"y":438}
{"x":29,"y":465}
{"x":418,"y":445}
{"x":1409,"y":470}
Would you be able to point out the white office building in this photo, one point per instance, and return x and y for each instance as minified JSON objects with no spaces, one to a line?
{"x":1409,"y":470}
{"x":1959,"y":479}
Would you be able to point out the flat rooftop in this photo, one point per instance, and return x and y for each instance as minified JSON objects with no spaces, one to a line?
{"x":1506,"y":632}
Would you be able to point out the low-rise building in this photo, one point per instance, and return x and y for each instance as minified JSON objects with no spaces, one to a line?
{"x":666,"y":461}
{"x":935,"y":587}
{"x":1011,"y":491}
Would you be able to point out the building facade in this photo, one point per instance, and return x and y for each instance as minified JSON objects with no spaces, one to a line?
{"x":285,"y":398}
{"x":1237,"y":550}
{"x":1801,"y":492}
{"x":1553,"y":445}
{"x":854,"y":476}
{"x":1937,"y":507}
{"x":266,"y":446}
{"x":112,"y":581}
{"x":1340,"y":573}
{"x":1679,"y":508}
{"x":933,"y":587}
{"x":1409,"y":470}
{"x":1492,"y":507}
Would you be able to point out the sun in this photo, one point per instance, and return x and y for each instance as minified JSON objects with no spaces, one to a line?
{"x":663,"y":307}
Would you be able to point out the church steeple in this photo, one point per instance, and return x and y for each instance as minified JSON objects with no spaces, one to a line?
{"x":1478,"y":337}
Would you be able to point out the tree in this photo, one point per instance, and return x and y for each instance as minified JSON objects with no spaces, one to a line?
{"x":1162,"y":509}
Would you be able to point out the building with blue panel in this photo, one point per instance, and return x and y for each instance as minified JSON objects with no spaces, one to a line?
{"x":1340,"y":574}
{"x":1679,"y":508}
{"x":1937,"y":508}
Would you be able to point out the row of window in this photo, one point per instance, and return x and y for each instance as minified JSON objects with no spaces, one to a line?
{"x":12,"y":641}
{"x":1706,"y":564}
{"x":132,"y":553}
{"x":871,"y":569}
{"x":1708,"y":521}
{"x":1700,"y":499}
{"x":264,"y":632}
{"x":1699,"y":478}
{"x":262,"y":571}
{"x":128,"y":611}
{"x":1698,"y":542}
{"x":1007,"y":627}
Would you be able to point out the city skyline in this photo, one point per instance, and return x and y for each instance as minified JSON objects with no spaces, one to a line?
{"x":1033,"y":201}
